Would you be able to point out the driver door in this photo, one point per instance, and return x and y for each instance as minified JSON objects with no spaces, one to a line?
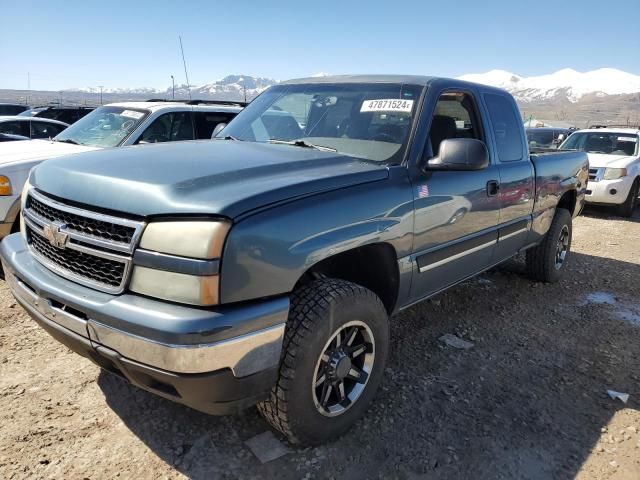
{"x":456,"y":212}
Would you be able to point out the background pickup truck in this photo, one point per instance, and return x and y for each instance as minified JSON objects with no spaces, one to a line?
{"x":263,"y":267}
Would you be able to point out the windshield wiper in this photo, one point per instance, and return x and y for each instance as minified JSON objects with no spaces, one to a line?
{"x":227,"y":137}
{"x":67,"y":140}
{"x":303,"y":144}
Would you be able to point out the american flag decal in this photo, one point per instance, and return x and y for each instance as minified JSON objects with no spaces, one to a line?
{"x":423,"y":191}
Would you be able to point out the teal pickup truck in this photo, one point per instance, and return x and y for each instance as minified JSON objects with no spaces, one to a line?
{"x":263,"y":267}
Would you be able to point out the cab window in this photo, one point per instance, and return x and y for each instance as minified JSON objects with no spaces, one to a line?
{"x":170,"y":127}
{"x":15,"y":128}
{"x":44,"y":129}
{"x":506,"y":127}
{"x":455,"y":116}
{"x":206,"y":122}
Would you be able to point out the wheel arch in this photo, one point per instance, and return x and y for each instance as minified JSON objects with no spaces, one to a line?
{"x":568,"y":201}
{"x":373,"y":266}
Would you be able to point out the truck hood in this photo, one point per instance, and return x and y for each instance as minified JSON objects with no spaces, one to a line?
{"x":599,"y":160}
{"x":12,"y":153}
{"x":206,"y":177}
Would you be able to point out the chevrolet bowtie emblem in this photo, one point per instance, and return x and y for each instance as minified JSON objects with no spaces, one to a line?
{"x":53,"y":232}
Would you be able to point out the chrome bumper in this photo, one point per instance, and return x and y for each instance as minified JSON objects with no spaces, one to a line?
{"x":86,"y":313}
{"x":244,"y":355}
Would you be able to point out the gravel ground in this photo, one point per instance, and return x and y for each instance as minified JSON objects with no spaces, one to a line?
{"x":528,"y":400}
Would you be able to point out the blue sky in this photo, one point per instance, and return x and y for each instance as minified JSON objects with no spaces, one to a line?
{"x":69,"y":43}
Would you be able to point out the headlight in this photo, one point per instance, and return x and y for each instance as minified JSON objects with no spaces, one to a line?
{"x":176,"y":287}
{"x":185,"y":243}
{"x":614,"y":173}
{"x":5,"y":186}
{"x":186,"y":239}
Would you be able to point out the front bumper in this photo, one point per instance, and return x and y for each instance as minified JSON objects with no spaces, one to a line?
{"x":217,"y":361}
{"x":609,"y":191}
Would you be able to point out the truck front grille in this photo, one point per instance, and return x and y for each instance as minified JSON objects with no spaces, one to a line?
{"x":96,"y":269}
{"x":594,"y":174}
{"x":86,"y":247}
{"x":85,"y":225}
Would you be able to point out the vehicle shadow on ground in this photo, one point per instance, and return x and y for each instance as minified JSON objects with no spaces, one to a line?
{"x":595,"y":211}
{"x":527,"y":401}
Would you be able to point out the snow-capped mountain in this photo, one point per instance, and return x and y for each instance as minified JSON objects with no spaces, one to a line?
{"x":231,"y":87}
{"x":564,"y":84}
{"x":115,"y":91}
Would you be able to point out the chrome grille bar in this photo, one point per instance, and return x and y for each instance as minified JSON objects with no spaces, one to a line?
{"x":91,"y":254}
{"x":89,"y":216}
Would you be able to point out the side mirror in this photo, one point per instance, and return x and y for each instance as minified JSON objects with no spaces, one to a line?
{"x":460,"y":154}
{"x":218,"y":128}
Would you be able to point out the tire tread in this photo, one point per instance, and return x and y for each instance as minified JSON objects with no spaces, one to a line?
{"x":307,"y":307}
{"x":538,"y":259}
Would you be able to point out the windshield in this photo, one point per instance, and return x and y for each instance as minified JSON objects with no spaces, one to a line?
{"x":609,"y":143}
{"x":369,"y":121}
{"x":104,"y":127}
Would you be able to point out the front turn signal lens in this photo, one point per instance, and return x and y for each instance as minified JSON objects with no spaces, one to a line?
{"x":5,"y":186}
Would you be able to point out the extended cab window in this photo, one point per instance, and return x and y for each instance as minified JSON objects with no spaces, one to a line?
{"x":506,"y":127}
{"x":367,"y":121}
{"x":454,"y":117}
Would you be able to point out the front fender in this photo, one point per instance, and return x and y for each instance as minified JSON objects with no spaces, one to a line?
{"x":267,"y":253}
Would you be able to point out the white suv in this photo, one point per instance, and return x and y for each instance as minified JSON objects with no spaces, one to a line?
{"x":614,"y":165}
{"x":113,"y":125}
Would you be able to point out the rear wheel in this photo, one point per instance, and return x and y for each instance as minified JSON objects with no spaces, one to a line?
{"x":547,"y":261}
{"x":629,"y":205}
{"x":333,"y":359}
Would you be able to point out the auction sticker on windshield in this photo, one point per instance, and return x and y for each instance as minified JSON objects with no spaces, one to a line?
{"x":132,"y":114}
{"x":387,"y":105}
{"x":627,"y":139}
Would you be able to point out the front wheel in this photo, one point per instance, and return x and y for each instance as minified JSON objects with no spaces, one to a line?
{"x":547,"y":261}
{"x":629,"y":205}
{"x":333,"y":359}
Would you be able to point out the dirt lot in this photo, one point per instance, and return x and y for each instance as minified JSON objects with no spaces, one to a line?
{"x":527,"y":401}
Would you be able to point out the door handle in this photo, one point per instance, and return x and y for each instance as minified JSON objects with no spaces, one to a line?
{"x":493,"y":187}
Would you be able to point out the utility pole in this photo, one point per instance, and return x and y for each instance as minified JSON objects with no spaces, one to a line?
{"x":100,"y":87}
{"x":244,"y":87}
{"x":28,"y":88}
{"x":173,"y":88}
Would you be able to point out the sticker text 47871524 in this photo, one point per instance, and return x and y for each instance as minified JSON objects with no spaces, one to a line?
{"x":387,"y":105}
